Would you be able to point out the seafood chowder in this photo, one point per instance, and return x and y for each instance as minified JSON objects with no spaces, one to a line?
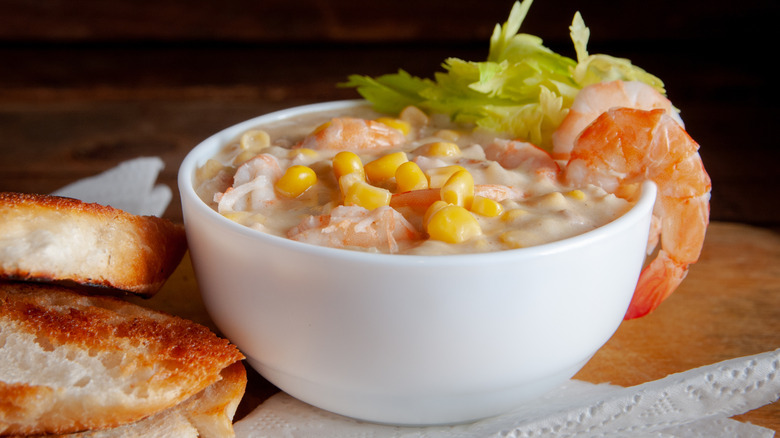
{"x":411,"y":184}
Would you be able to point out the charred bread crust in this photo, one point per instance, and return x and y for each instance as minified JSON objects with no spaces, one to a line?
{"x":56,"y":239}
{"x":139,"y":361}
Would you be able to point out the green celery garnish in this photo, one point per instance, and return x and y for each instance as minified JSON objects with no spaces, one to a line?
{"x":523,"y":89}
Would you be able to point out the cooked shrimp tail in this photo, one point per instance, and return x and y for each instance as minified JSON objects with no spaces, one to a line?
{"x":626,"y":146}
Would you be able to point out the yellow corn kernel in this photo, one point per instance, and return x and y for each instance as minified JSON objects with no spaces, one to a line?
{"x":398,"y":124}
{"x":432,"y":209}
{"x":383,"y":168}
{"x":347,"y":180}
{"x":459,"y":189}
{"x":209,"y":170}
{"x":486,"y":207}
{"x":346,"y":162}
{"x":245,"y":217}
{"x":442,"y":149}
{"x":296,"y":180}
{"x":577,"y":194}
{"x":511,"y":239}
{"x":553,"y":201}
{"x":410,"y":177}
{"x":447,"y":134}
{"x":255,"y":140}
{"x":513,"y":214}
{"x":236,"y":216}
{"x":306,"y":152}
{"x":321,"y":127}
{"x":365,"y":195}
{"x":453,"y":224}
{"x":437,"y":176}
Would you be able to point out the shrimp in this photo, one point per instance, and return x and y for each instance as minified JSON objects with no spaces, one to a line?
{"x":253,"y":185}
{"x":625,"y":146}
{"x":513,"y":154}
{"x":352,"y":226}
{"x":594,"y":99}
{"x":349,"y":133}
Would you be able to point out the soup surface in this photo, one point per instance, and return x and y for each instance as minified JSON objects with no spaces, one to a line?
{"x":414,"y":184}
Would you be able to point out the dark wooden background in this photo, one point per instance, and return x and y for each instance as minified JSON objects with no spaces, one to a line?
{"x":85,"y":84}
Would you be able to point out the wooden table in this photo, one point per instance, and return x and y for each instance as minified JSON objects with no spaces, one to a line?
{"x":84,"y":87}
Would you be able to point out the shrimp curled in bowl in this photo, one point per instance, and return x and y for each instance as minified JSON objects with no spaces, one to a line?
{"x":625,"y":146}
{"x":351,"y":226}
{"x":252,"y":187}
{"x":350,"y":133}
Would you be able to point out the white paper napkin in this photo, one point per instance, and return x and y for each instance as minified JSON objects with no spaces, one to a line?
{"x":691,"y":404}
{"x":130,"y":186}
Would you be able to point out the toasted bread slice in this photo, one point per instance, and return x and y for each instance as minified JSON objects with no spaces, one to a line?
{"x":49,"y":238}
{"x":71,"y":362}
{"x":207,"y":414}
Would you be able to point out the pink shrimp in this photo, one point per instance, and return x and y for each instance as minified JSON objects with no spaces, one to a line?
{"x":253,"y":185}
{"x":348,"y":133}
{"x":624,"y":146}
{"x":594,"y":99}
{"x":513,"y":154}
{"x":351,"y":226}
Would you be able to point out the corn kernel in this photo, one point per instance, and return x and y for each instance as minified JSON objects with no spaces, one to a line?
{"x":410,"y":177}
{"x":209,"y":170}
{"x":511,"y":238}
{"x":321,"y":127}
{"x":245,"y":217}
{"x":345,"y":181}
{"x":365,"y":195}
{"x":255,"y":140}
{"x":447,"y":134}
{"x":383,"y":168}
{"x":398,"y":124}
{"x":453,"y":224}
{"x":554,"y":200}
{"x":459,"y":189}
{"x":577,"y":194}
{"x":431,"y":210}
{"x":236,"y":216}
{"x":513,"y":214}
{"x":296,"y":180}
{"x":486,"y":207}
{"x":346,"y":162}
{"x":437,"y":176}
{"x":306,"y":152}
{"x":442,"y":149}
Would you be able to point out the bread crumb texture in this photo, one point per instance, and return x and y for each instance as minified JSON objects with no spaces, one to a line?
{"x":72,"y":362}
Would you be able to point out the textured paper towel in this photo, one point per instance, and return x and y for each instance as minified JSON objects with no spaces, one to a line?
{"x":692,"y":404}
{"x":130,"y":186}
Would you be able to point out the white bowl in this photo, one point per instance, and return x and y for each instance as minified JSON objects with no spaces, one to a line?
{"x":406,"y":339}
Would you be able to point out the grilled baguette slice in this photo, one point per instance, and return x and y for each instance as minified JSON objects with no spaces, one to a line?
{"x":207,"y":414}
{"x":71,"y":362}
{"x":50,"y":238}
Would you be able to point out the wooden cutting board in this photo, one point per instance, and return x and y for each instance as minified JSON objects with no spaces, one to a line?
{"x":727,"y":307}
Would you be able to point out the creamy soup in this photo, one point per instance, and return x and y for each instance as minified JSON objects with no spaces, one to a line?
{"x":411,"y":184}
